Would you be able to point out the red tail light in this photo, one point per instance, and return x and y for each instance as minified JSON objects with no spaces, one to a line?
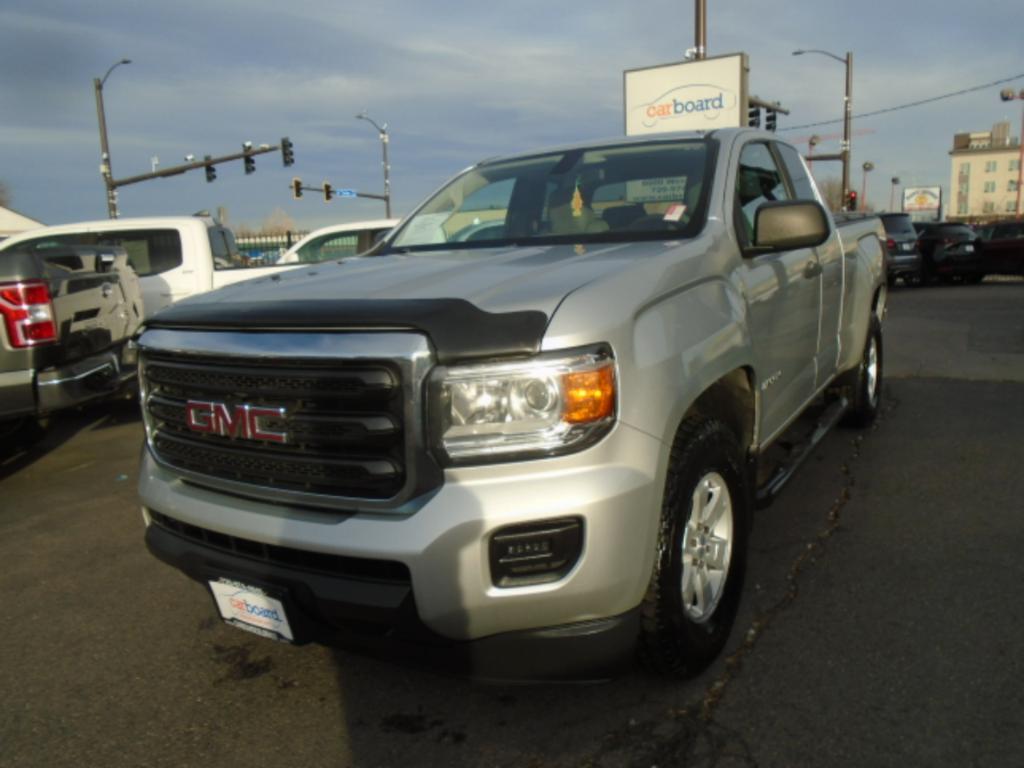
{"x":890,"y":244}
{"x":28,"y":313}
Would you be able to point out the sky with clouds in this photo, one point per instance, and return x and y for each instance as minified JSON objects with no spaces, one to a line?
{"x":456,"y":82}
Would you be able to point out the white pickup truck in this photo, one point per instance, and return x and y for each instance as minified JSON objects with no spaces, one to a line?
{"x":523,"y":437}
{"x":174,"y":256}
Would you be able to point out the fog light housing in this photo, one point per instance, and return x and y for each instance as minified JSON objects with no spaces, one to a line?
{"x":536,"y":553}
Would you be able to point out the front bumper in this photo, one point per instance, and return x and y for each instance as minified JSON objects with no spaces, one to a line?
{"x":378,"y":617}
{"x":449,"y":598}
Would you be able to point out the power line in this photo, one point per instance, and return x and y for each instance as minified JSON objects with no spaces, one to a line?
{"x":908,"y":105}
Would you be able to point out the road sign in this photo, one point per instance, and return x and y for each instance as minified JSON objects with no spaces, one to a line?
{"x":345,"y":193}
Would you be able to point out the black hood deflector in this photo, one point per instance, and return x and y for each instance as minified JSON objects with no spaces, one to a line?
{"x":458,"y":329}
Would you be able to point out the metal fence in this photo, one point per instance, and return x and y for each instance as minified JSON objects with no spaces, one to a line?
{"x":259,"y":249}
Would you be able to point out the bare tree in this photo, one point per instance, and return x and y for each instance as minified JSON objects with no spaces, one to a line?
{"x":5,"y":195}
{"x":278,"y":223}
{"x":832,"y":191}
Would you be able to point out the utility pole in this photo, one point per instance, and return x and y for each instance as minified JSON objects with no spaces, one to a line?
{"x":105,"y":171}
{"x":700,"y":29}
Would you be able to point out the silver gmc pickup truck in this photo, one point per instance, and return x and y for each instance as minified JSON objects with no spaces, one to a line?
{"x":525,"y":436}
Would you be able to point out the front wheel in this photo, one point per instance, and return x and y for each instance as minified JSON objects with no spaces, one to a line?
{"x":866,"y":381}
{"x":694,"y":593}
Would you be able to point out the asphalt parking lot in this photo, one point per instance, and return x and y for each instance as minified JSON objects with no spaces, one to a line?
{"x":881,"y":623}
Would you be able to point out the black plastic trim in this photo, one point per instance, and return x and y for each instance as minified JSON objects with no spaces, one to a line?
{"x":458,"y":329}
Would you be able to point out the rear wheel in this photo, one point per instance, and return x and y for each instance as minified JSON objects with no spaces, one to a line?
{"x":694,"y":592}
{"x":866,"y":381}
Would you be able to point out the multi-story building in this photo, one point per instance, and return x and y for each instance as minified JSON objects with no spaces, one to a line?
{"x":984,"y":176}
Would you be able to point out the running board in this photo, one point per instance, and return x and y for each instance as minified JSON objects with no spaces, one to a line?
{"x":798,"y":453}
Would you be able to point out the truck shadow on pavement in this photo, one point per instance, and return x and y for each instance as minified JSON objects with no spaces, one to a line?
{"x":412,"y":716}
{"x":24,"y":444}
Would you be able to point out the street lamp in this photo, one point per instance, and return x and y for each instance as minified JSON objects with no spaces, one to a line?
{"x":812,"y":142}
{"x":892,"y":193}
{"x":105,"y":172}
{"x":868,"y":166}
{"x":1008,"y":95}
{"x":382,"y":132}
{"x":847,"y":110}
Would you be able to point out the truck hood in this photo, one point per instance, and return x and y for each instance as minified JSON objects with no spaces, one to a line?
{"x":472,"y":303}
{"x":493,"y":279}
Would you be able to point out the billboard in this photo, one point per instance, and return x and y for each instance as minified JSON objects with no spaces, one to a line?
{"x":922,"y":199}
{"x":689,"y":96}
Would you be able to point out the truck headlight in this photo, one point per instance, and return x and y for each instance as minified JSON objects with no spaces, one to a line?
{"x":548,"y":405}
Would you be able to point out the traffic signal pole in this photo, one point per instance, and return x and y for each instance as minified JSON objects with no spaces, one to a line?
{"x":206,"y":162}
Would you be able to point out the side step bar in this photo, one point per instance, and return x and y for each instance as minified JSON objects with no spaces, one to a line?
{"x":798,"y":453}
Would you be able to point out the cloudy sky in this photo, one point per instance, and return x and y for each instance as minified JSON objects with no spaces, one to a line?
{"x":456,"y":82}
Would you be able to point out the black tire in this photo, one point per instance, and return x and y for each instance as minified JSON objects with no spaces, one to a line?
{"x":675,"y":640}
{"x":866,"y":381}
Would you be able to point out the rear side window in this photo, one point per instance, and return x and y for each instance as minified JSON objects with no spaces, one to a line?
{"x":758,"y":181}
{"x":150,"y":251}
{"x":802,"y":184}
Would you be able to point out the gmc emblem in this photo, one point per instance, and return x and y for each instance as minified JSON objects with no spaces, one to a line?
{"x":240,"y":421}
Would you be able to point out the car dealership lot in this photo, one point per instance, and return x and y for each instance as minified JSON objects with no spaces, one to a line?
{"x":880,"y":625}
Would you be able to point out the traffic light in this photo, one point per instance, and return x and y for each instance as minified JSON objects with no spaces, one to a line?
{"x":287,"y":152}
{"x":754,"y":117}
{"x":769,"y":120}
{"x":851,"y":200}
{"x":211,"y":170}
{"x":328,"y":192}
{"x":250,"y":162}
{"x":296,"y":188}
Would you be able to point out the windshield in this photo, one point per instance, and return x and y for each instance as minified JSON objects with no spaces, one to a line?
{"x":613,"y":193}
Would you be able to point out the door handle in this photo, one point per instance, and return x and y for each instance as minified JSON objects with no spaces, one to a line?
{"x":812,"y":269}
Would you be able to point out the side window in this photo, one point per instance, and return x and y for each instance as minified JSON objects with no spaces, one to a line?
{"x":150,"y":251}
{"x":797,"y":169}
{"x":223,"y":248}
{"x":329,"y":247}
{"x":758,"y":181}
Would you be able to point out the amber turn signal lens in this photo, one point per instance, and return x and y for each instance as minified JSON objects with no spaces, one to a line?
{"x":589,"y":395}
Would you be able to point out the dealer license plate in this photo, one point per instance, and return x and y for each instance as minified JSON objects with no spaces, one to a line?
{"x":250,"y":608}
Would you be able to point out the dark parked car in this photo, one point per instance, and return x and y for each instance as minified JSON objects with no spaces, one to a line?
{"x":904,"y":259}
{"x":948,"y":251}
{"x":1002,"y":247}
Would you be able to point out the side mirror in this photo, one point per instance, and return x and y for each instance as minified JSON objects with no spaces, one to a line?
{"x":787,"y":225}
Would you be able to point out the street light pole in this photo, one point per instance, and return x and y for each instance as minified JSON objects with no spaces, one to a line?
{"x":382,"y":132}
{"x":847,"y":112}
{"x":892,"y":193}
{"x":105,"y":171}
{"x":868,"y":166}
{"x":812,"y":142}
{"x":1009,"y":95}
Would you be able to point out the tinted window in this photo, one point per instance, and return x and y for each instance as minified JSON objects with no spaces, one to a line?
{"x":802,"y":184}
{"x":899,"y":225}
{"x":150,"y":251}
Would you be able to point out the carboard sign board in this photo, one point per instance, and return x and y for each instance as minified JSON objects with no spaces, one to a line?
{"x":696,"y":95}
{"x":922,"y":199}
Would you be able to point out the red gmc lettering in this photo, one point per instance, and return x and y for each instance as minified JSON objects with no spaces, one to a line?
{"x":242,"y":421}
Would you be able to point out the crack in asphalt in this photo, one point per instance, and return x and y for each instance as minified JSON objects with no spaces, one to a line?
{"x":691,"y":734}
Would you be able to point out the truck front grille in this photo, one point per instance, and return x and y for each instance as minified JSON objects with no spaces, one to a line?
{"x":314,"y":428}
